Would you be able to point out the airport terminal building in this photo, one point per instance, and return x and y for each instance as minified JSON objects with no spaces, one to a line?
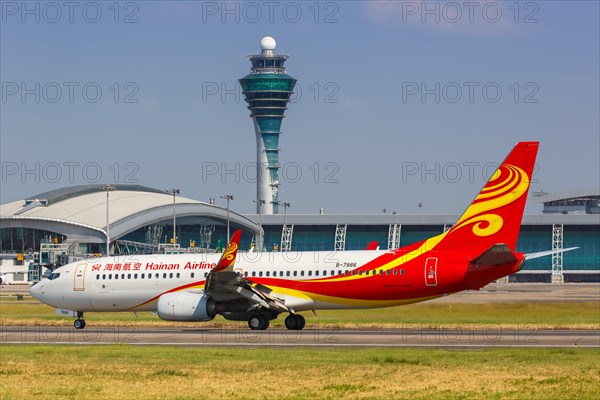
{"x":72,"y":222}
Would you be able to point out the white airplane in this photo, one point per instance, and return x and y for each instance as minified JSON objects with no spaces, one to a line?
{"x":477,"y":250}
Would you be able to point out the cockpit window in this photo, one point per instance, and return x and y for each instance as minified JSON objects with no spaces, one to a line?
{"x":53,"y":276}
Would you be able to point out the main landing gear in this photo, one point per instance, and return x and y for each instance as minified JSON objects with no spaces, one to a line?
{"x":294,"y":322}
{"x":258,"y":322}
{"x":79,"y":323}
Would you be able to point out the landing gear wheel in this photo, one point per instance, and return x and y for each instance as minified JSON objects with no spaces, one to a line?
{"x":79,"y":323}
{"x":258,"y":322}
{"x":302,"y":321}
{"x":294,"y":322}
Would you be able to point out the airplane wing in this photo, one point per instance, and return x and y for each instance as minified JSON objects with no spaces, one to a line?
{"x":223,"y":284}
{"x":531,"y":256}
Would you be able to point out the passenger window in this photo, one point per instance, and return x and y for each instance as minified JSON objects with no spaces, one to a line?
{"x":339,"y":272}
{"x":103,"y":276}
{"x":122,"y":276}
{"x":171,"y":275}
{"x":246,"y":273}
{"x":164,"y":275}
{"x":367,"y":272}
{"x":109,"y":276}
{"x":317,"y":273}
{"x":116,"y":276}
{"x":267,"y":273}
{"x":309,"y":273}
{"x":97,"y":276}
{"x":301,"y":273}
{"x":157,"y":275}
{"x":128,"y":276}
{"x":192,"y":275}
{"x":287,"y":273}
{"x":295,"y":273}
{"x":395,"y":272}
{"x":280,"y":273}
{"x":387,"y":272}
{"x":178,"y":275}
{"x":360,"y":272}
{"x":205,"y":274}
{"x":260,"y":273}
{"x":401,"y":272}
{"x":142,"y":276}
{"x":253,"y":273}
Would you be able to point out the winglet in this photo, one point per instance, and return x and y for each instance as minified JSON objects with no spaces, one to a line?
{"x":374,"y":245}
{"x":228,"y":258}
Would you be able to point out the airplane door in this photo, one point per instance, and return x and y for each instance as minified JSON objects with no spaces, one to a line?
{"x":431,"y":271}
{"x":79,"y":284}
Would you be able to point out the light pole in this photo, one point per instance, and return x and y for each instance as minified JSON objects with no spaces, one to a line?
{"x":259,"y":204}
{"x":285,"y":207}
{"x":174,"y":192}
{"x":107,"y":188}
{"x":227,"y":197}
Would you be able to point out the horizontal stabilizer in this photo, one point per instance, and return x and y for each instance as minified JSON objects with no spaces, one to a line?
{"x":498,"y":254}
{"x":531,"y":256}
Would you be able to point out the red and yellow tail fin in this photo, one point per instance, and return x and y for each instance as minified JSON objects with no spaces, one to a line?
{"x":495,"y":214}
{"x":227,"y":260}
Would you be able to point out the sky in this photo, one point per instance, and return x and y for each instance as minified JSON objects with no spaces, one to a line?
{"x":398,"y":103}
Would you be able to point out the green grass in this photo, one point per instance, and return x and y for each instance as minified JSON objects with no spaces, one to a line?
{"x":129,"y":372}
{"x":583,"y":315}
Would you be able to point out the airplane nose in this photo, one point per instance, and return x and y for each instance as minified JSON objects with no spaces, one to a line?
{"x":36,"y":290}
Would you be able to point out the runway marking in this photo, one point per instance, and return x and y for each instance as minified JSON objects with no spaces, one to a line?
{"x":458,"y":338}
{"x":196,"y":344}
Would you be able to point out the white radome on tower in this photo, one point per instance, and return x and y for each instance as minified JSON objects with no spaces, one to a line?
{"x":268,"y":43}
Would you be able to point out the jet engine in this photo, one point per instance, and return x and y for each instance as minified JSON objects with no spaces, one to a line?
{"x":186,"y":306}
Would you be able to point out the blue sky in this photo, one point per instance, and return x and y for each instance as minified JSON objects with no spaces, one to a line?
{"x":401,"y":102}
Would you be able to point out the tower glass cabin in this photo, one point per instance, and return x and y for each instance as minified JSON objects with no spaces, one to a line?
{"x":267,"y":90}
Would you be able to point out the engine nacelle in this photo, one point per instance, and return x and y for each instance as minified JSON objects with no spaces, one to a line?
{"x":186,"y":306}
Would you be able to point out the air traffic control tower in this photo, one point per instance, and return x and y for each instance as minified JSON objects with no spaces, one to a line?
{"x":267,"y":90}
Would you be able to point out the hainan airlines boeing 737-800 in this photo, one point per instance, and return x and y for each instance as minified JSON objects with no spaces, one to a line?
{"x":257,"y":287}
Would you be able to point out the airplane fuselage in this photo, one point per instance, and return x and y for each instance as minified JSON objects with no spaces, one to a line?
{"x":303,"y":280}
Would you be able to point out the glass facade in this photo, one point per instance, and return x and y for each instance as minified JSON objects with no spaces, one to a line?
{"x":532,"y":238}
